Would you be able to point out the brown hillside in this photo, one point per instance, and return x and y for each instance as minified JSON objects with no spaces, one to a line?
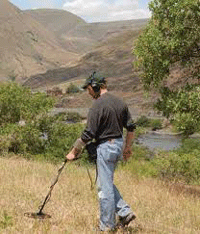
{"x":44,"y":48}
{"x":26,"y":46}
{"x":88,"y":36}
{"x":58,"y":21}
{"x":78,"y":36}
{"x":112,"y":57}
{"x":111,"y":54}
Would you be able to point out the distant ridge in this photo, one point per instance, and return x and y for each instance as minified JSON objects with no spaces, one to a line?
{"x":58,"y":21}
{"x":26,"y":46}
{"x":44,"y":46}
{"x":78,"y":36}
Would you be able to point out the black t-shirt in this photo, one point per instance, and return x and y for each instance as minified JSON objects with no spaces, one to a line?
{"x":106,"y":119}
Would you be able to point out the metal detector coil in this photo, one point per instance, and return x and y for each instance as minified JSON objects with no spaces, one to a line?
{"x":37,"y":215}
{"x":40,"y":214}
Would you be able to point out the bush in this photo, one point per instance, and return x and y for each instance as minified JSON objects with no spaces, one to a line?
{"x":182,"y":164}
{"x":156,"y":124}
{"x":60,"y":139}
{"x":19,"y":103}
{"x":143,"y":121}
{"x":175,"y":166}
{"x":140,"y":163}
{"x":52,"y":139}
{"x":139,"y":131}
{"x":72,"y":89}
{"x":73,"y":117}
{"x":189,"y":146}
{"x":40,"y":133}
{"x":21,"y":139}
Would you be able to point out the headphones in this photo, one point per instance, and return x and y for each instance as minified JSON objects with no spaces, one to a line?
{"x":96,"y":82}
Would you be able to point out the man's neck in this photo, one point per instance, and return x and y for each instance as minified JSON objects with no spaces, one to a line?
{"x":102,"y":91}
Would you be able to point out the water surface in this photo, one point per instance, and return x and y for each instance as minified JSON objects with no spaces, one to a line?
{"x":160,"y":141}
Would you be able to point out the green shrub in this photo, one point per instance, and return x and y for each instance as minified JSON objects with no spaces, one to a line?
{"x":21,"y":139}
{"x":60,"y":139}
{"x":156,"y":124}
{"x":40,"y":134}
{"x":140,"y":152}
{"x":174,"y":166}
{"x":140,"y":162}
{"x":179,"y":165}
{"x":54,"y":142}
{"x":19,"y":103}
{"x":139,"y":131}
{"x":69,"y":116}
{"x":7,"y":137}
{"x":143,"y":121}
{"x":186,"y":123}
{"x":189,"y":146}
{"x":73,"y":89}
{"x":73,"y":117}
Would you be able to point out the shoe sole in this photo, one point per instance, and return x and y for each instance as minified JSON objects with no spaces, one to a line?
{"x":128,"y":219}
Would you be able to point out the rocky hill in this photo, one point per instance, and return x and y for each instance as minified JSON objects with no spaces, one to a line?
{"x":109,"y":51}
{"x":47,"y":47}
{"x":75,"y":34}
{"x":58,"y":21}
{"x":26,"y":46}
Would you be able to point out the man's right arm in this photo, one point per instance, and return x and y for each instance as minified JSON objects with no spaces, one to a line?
{"x":76,"y":150}
{"x":87,"y":135}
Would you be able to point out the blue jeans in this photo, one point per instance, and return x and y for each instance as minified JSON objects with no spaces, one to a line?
{"x":111,"y":202}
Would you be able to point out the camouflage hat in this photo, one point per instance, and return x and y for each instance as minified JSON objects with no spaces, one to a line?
{"x":94,"y":79}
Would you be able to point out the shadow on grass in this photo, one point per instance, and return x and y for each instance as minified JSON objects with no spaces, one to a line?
{"x":128,"y":230}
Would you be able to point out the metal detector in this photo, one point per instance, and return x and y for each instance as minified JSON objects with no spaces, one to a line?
{"x":40,"y":214}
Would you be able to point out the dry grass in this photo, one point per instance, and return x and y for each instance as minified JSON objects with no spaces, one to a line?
{"x":74,"y":207}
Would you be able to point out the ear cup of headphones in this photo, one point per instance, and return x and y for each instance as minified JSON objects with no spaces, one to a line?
{"x":96,"y":82}
{"x":95,"y":87}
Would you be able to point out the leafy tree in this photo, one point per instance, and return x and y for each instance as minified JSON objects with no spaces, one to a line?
{"x":41,"y":133}
{"x":172,"y":40}
{"x":183,"y":107}
{"x":19,"y":103}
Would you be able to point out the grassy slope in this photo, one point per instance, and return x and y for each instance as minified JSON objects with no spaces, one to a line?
{"x":74,"y":207}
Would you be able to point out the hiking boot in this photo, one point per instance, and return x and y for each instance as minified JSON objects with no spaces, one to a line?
{"x":124,"y":221}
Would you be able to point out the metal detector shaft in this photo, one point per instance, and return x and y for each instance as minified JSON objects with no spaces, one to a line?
{"x":47,"y":198}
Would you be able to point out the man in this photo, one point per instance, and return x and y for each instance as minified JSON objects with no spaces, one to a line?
{"x":105,"y":123}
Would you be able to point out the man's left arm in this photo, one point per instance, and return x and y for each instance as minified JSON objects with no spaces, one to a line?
{"x":130,"y":127}
{"x":128,"y":145}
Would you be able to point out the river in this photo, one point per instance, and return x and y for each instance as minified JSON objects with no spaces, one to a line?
{"x":154,"y":140}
